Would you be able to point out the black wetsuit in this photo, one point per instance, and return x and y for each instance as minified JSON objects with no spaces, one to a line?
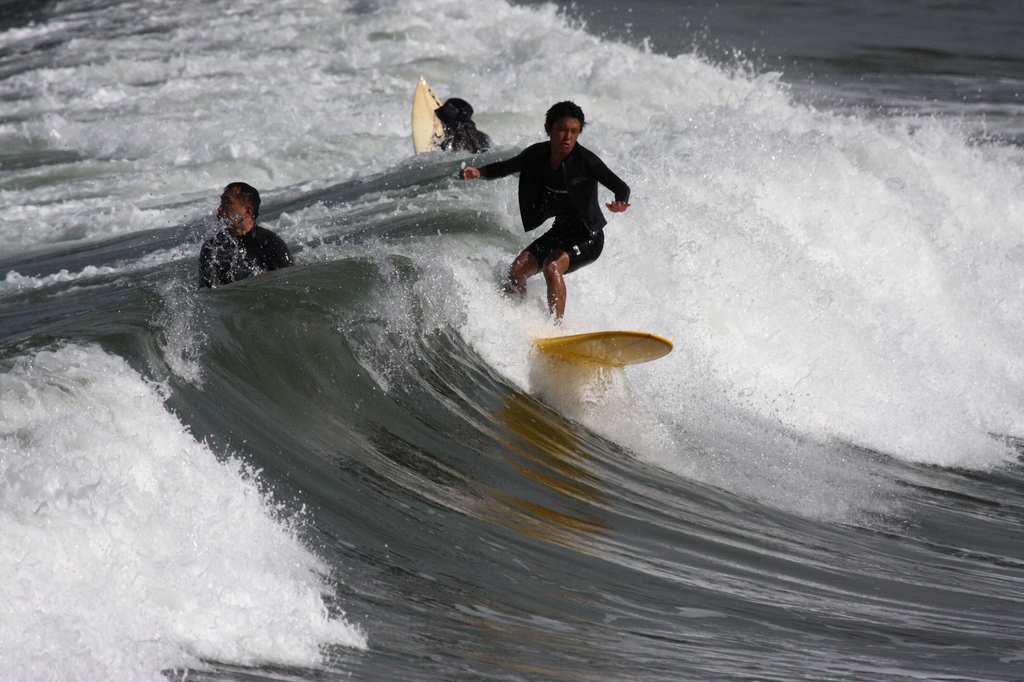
{"x":567,"y":193}
{"x":226,"y":258}
{"x":464,"y":137}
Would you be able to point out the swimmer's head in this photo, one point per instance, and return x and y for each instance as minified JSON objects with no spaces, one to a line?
{"x":239,"y":206}
{"x":247,"y":194}
{"x":563,"y":110}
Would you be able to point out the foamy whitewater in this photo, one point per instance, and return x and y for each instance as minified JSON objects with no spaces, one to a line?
{"x":130,"y":546}
{"x":319,"y":473}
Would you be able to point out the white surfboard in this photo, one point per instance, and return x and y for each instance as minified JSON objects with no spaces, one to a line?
{"x":427,"y":129}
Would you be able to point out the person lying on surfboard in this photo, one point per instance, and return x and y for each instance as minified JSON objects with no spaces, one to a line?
{"x":460,"y":133}
{"x":558,"y":179}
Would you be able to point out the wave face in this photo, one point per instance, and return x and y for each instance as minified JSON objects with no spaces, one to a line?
{"x":358,"y":468}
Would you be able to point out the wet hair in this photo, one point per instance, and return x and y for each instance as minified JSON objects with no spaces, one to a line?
{"x":453,"y":110}
{"x":562,"y":110}
{"x":248,"y":194}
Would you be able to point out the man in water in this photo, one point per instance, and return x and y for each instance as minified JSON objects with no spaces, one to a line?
{"x":558,"y":179}
{"x":243,"y":248}
{"x":460,"y":133}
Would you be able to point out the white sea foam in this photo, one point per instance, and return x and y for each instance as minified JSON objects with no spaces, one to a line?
{"x":15,"y":281}
{"x":128,"y":548}
{"x":849,"y":278}
{"x":852,"y":279}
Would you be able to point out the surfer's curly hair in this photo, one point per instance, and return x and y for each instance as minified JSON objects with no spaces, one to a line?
{"x":563,"y":110}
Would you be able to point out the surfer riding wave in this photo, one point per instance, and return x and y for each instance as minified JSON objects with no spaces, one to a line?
{"x":558,"y":179}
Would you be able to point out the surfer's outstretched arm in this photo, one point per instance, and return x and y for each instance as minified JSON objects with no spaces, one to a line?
{"x":498,"y":169}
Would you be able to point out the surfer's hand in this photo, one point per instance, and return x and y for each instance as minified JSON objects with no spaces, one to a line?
{"x":469,"y":173}
{"x":617,"y":206}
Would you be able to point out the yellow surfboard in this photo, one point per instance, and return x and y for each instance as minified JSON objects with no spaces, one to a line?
{"x":427,"y":129}
{"x":606,"y":349}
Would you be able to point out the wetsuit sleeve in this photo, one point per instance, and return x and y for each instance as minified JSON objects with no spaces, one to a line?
{"x":600,"y":172}
{"x":500,"y":169}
